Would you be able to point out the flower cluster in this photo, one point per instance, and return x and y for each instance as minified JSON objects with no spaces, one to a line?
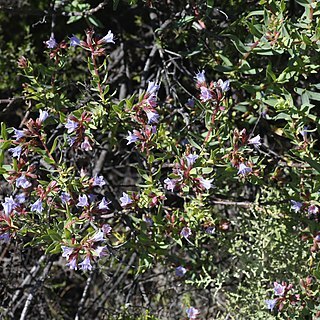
{"x":183,"y":176}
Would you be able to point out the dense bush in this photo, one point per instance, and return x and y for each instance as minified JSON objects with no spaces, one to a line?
{"x":159,"y":160}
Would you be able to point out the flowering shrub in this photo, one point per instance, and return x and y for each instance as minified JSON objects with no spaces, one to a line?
{"x":207,"y":177}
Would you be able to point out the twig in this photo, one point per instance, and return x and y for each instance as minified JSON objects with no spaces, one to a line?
{"x":84,"y":296}
{"x":34,"y":290}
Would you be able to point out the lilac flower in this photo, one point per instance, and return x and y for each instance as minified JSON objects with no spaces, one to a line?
{"x":200,"y":77}
{"x":304,"y":133}
{"x":23,"y":182}
{"x":98,"y":181}
{"x":125,"y":200}
{"x":205,"y":94}
{"x":185,"y":232}
{"x":192,"y":313}
{"x":51,"y":43}
{"x":224,"y":85}
{"x":211,"y":230}
{"x":98,"y":236}
{"x":271,"y":303}
{"x":244,"y":170}
{"x":106,"y":228}
{"x":74,"y":41}
{"x":5,"y":237}
{"x":205,"y":183}
{"x":317,"y":238}
{"x":131,"y":138}
{"x":148,"y":221}
{"x":72,"y":264}
{"x":85,"y":264}
{"x":85,"y":145}
{"x":37,"y":206}
{"x":296,"y":205}
{"x":65,"y":197}
{"x":66,"y":252}
{"x":190,"y":103}
{"x":104,"y":204}
{"x":170,"y":184}
{"x":83,"y":201}
{"x":8,"y":205}
{"x":153,"y":117}
{"x":107,"y":38}
{"x":43,"y":115}
{"x":100,"y":251}
{"x":191,"y":159}
{"x":71,"y":140}
{"x":71,"y":125}
{"x":20,"y":198}
{"x":279,"y":289}
{"x":313,"y":209}
{"x":16,"y":152}
{"x":18,"y":134}
{"x":152,"y":88}
{"x":180,"y":271}
{"x":255,"y":141}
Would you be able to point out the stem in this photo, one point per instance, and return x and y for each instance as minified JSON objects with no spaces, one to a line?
{"x":97,"y":74}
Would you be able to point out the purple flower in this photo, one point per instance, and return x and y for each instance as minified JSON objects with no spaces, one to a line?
{"x":72,"y":264}
{"x":18,"y":134}
{"x":205,"y":94}
{"x":255,"y":141}
{"x":65,"y":197}
{"x":205,"y":183}
{"x":66,"y":252}
{"x":98,"y":236}
{"x":190,"y":103}
{"x":104,"y":204}
{"x":23,"y":182}
{"x":279,"y":289}
{"x":152,"y":88}
{"x":211,"y":230}
{"x":107,"y":38}
{"x":8,"y":205}
{"x":106,"y":228}
{"x":317,"y":237}
{"x":296,"y":205}
{"x":180,"y":271}
{"x":71,"y":140}
{"x":20,"y":198}
{"x":192,"y":313}
{"x":244,"y":170}
{"x":85,"y":264}
{"x":16,"y":152}
{"x":153,"y":117}
{"x":43,"y":115}
{"x":191,"y":159}
{"x":125,"y":200}
{"x":83,"y":201}
{"x":224,"y":85}
{"x":185,"y":232}
{"x":131,"y":138}
{"x":271,"y":303}
{"x":100,"y":251}
{"x":170,"y":184}
{"x":98,"y":181}
{"x":304,"y":133}
{"x":5,"y":237}
{"x":74,"y":41}
{"x":51,"y":43}
{"x":200,"y":77}
{"x":71,"y":125}
{"x":37,"y":206}
{"x":313,"y":209}
{"x":85,"y":145}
